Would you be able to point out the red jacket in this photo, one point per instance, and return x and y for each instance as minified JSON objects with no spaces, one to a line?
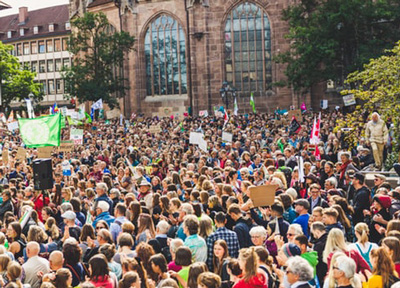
{"x":38,"y":202}
{"x":258,"y":281}
{"x":361,"y":264}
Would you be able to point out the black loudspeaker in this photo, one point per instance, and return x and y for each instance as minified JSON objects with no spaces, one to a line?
{"x":42,"y":174}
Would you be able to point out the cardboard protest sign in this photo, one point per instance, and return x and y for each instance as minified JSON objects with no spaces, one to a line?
{"x":111,"y":114}
{"x":21,"y":154}
{"x":295,"y":113}
{"x":227,"y":137}
{"x":154,"y":129}
{"x":263,"y":195}
{"x":45,"y":152}
{"x":5,"y":156}
{"x":66,"y":146}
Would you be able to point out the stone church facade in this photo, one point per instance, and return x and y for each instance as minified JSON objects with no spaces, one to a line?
{"x":186,"y":49}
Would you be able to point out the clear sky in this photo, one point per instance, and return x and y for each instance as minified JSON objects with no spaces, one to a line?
{"x":31,"y":4}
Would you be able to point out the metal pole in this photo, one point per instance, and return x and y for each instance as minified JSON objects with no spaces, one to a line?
{"x":189,"y":66}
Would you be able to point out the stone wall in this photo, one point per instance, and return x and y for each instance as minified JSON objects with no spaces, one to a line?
{"x":207,"y":55}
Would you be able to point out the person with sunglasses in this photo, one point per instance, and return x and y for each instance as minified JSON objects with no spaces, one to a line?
{"x":298,"y":272}
{"x":344,"y":273}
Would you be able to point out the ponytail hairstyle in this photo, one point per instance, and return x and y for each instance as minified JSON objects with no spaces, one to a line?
{"x":14,"y":271}
{"x":250,"y":259}
{"x":363,"y":230}
{"x":128,"y":279}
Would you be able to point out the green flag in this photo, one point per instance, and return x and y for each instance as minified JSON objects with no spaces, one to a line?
{"x":252,"y":104}
{"x":88,"y":118}
{"x":42,"y":131}
{"x":62,"y":121}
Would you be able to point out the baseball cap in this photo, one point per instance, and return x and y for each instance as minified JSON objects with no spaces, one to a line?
{"x":70,"y":215}
{"x":380,"y":176}
{"x":302,"y":202}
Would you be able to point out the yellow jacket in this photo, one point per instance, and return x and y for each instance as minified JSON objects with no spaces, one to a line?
{"x":374,"y":282}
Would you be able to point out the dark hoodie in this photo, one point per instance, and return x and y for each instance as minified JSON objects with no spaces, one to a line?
{"x":319,"y":247}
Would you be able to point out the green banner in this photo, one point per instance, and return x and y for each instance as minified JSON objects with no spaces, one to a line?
{"x":42,"y":131}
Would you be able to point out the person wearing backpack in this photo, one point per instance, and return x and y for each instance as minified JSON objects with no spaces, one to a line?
{"x":363,"y":246}
{"x":160,"y":242}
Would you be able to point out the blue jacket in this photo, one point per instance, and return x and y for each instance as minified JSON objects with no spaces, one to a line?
{"x":104,"y":216}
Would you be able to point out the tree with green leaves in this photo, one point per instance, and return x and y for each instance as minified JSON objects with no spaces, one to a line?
{"x":377,"y":88}
{"x":99,"y":52}
{"x":332,"y":38}
{"x":16,"y":82}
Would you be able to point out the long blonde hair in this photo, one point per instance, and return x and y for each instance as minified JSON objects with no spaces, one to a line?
{"x":363,"y":230}
{"x":250,"y":258}
{"x":334,"y":242}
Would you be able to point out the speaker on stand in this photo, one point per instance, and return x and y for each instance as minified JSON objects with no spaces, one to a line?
{"x":42,"y":175}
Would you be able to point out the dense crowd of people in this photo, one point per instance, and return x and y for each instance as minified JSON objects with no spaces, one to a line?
{"x":148,"y":209}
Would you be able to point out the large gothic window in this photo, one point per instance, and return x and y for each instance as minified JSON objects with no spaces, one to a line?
{"x":165,"y":57}
{"x":248,"y":48}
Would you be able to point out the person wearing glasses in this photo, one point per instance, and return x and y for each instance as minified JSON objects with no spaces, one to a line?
{"x":298,"y":272}
{"x":344,"y":273}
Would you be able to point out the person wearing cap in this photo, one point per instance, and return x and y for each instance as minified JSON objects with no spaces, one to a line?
{"x":378,"y":180}
{"x":103,"y":214}
{"x":145,"y":194}
{"x":377,"y":136}
{"x":361,"y":198}
{"x":380,"y":216}
{"x":70,"y":228}
{"x":286,"y":251}
{"x":301,"y":207}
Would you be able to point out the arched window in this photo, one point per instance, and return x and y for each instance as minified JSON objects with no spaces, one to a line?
{"x":248,"y":48}
{"x":165,"y":57}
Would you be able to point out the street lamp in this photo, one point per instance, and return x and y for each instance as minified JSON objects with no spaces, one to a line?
{"x":227,"y":91}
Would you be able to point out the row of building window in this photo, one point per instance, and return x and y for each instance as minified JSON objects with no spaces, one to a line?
{"x":248,"y":63}
{"x":51,"y":66}
{"x":52,"y":86}
{"x":41,"y":46}
{"x":36,"y":30}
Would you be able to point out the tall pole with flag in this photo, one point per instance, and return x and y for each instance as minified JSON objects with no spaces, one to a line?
{"x":97,"y":105}
{"x":235,"y":108}
{"x":252,"y":104}
{"x":314,"y":139}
